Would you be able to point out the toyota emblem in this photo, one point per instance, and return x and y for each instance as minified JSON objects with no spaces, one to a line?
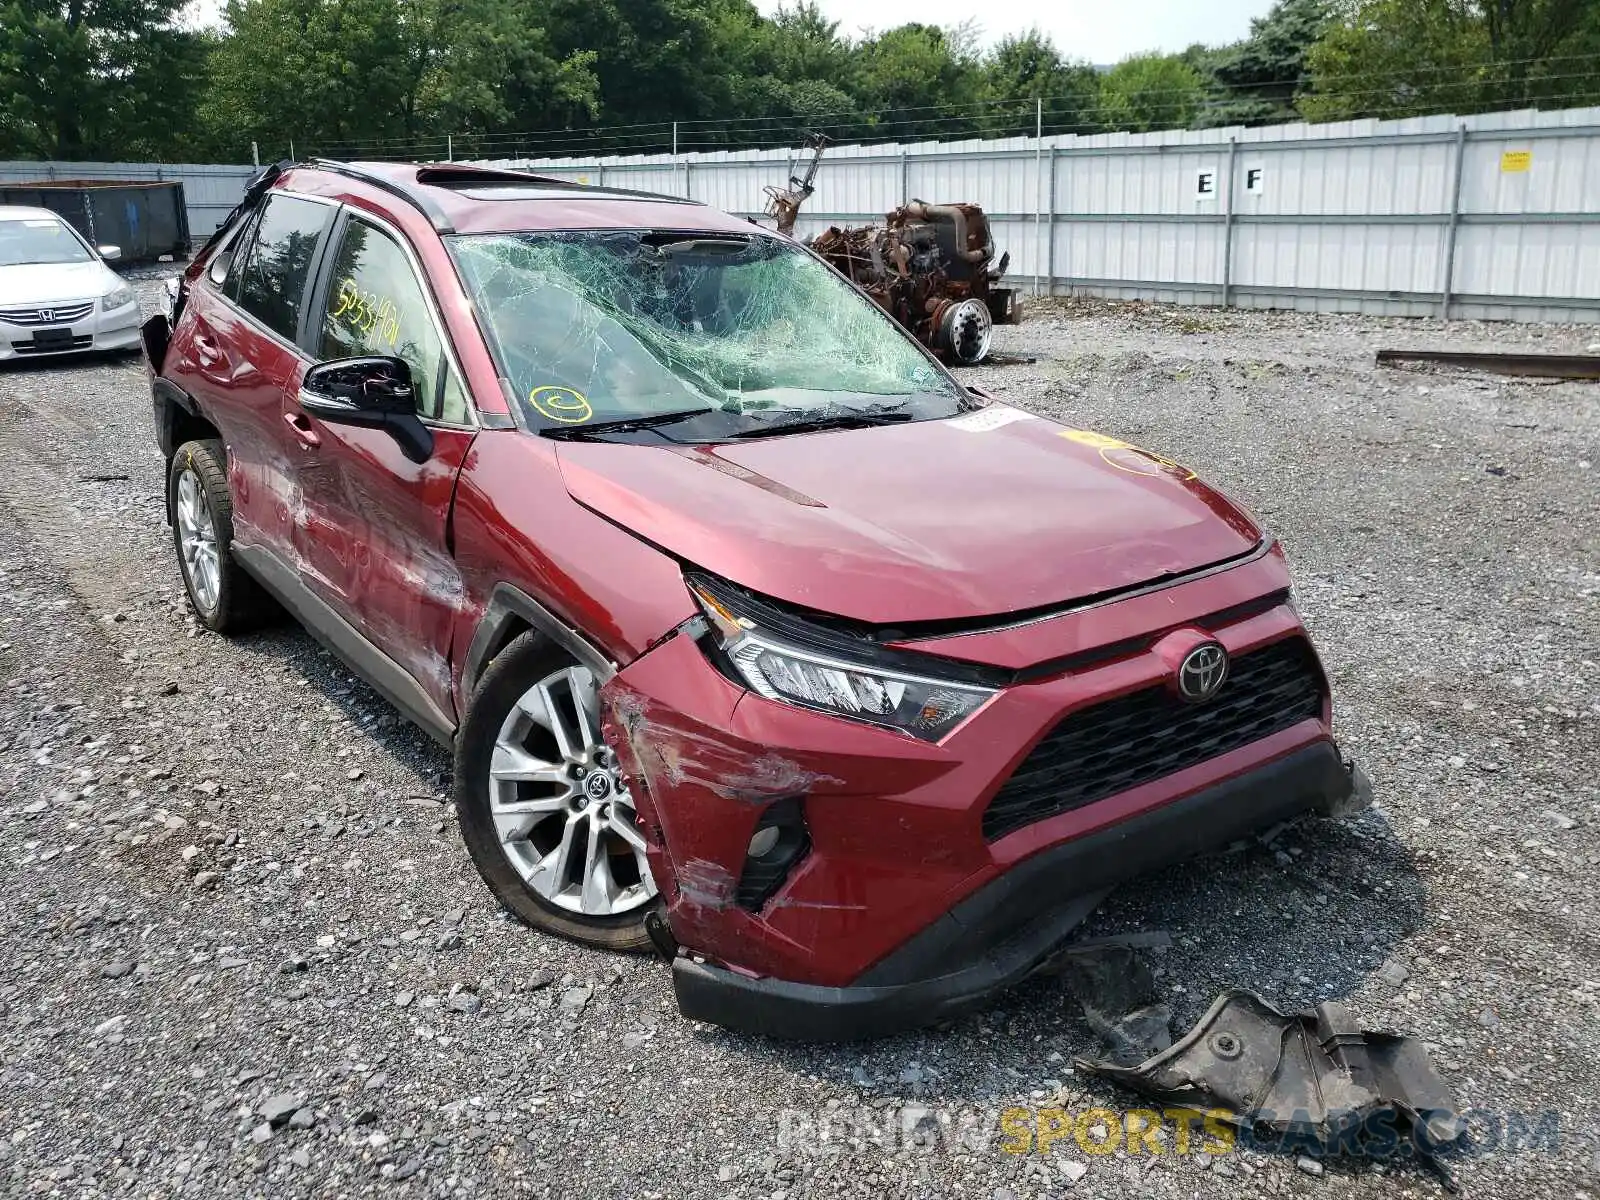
{"x":1202,"y":672}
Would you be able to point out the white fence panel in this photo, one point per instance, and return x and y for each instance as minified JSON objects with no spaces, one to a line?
{"x":1495,"y":215}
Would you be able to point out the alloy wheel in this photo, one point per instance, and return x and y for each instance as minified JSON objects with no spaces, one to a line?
{"x":197,"y":539}
{"x":561,"y":810}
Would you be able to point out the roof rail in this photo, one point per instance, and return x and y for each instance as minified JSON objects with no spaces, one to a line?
{"x":466,"y":174}
{"x":415,"y":197}
{"x":448,"y":175}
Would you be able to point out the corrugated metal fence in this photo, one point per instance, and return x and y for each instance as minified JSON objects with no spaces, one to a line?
{"x":1494,"y":216}
{"x":209,"y":191}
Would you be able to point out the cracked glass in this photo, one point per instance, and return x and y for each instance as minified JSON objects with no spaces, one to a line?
{"x":608,"y":326}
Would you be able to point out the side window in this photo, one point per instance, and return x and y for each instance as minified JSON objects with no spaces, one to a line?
{"x":238,"y":247}
{"x":376,"y":305}
{"x":272,"y":285}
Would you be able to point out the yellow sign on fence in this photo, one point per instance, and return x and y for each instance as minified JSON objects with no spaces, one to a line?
{"x":1516,"y":161}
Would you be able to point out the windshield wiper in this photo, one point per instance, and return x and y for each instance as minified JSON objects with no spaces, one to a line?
{"x":577,"y":433}
{"x":833,"y":420}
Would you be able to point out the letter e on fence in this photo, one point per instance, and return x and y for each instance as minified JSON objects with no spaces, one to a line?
{"x":1205,"y":184}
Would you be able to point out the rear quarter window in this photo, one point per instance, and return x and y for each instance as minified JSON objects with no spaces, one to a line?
{"x":277,"y":265}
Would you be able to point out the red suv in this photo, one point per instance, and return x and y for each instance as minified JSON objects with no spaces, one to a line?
{"x":756,"y":635}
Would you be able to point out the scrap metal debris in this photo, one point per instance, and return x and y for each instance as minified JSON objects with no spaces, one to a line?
{"x":1310,"y":1080}
{"x":1541,"y":366}
{"x":783,"y":204}
{"x":929,"y":267}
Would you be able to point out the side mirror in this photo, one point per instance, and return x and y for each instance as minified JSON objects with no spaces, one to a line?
{"x":110,"y":253}
{"x":374,"y":393}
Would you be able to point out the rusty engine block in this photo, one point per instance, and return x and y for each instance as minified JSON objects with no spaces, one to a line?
{"x":929,"y":267}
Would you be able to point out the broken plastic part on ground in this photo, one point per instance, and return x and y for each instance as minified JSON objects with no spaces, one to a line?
{"x":1312,"y":1081}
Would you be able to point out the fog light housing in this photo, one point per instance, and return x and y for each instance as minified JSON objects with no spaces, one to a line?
{"x":779,"y":842}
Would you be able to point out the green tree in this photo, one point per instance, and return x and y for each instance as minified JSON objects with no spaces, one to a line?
{"x":488,"y":66}
{"x":89,"y":79}
{"x":1255,"y":81}
{"x":806,"y":45}
{"x":1151,"y":91}
{"x":1026,"y":68}
{"x":656,"y":60}
{"x":808,"y":73}
{"x":1397,"y":58}
{"x":308,"y":71}
{"x":388,"y":77}
{"x":920,"y":82}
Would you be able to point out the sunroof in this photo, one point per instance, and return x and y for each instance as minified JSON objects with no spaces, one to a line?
{"x":560,"y":190}
{"x":454,"y":176}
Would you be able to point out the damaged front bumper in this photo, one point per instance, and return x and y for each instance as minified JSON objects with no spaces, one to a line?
{"x":1015,"y":926}
{"x":830,"y":879}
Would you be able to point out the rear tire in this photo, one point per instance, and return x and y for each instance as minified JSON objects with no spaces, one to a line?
{"x":543,"y":812}
{"x":224,"y":598}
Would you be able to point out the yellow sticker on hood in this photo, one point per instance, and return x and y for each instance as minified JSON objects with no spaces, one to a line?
{"x":1125,"y":456}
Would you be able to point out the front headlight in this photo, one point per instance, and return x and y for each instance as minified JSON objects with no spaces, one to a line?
{"x":120,"y":298}
{"x":845,"y":683}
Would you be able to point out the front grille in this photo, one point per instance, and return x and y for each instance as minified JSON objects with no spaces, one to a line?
{"x":54,"y":314}
{"x":82,"y":342}
{"x":1149,"y":734}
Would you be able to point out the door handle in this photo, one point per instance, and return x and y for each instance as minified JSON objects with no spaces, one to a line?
{"x":301,"y":425}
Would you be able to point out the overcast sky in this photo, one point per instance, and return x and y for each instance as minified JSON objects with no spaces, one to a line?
{"x":1102,"y":31}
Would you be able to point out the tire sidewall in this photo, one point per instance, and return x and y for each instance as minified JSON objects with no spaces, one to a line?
{"x":526,"y":660}
{"x":196,"y":457}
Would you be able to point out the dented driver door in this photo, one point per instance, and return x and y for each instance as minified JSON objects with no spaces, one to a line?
{"x":374,"y":538}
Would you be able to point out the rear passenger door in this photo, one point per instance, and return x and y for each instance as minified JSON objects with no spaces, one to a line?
{"x":239,"y":354}
{"x":374,"y":535}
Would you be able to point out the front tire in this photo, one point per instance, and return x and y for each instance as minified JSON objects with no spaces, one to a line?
{"x":224,"y":598}
{"x":546,"y":817}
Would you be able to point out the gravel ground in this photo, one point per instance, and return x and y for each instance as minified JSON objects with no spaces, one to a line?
{"x":242,"y":950}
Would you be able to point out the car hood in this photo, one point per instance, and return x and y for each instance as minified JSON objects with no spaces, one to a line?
{"x":989,"y":513}
{"x":47,"y":283}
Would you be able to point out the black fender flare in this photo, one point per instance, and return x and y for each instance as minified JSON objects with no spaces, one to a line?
{"x":167,"y":398}
{"x":509,"y":607}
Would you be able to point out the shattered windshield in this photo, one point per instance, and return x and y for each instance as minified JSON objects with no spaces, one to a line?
{"x":602,"y":327}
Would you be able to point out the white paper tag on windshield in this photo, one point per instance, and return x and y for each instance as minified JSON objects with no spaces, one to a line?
{"x":989,"y":418}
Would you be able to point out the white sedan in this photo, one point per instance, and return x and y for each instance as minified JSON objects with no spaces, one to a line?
{"x":57,"y":296}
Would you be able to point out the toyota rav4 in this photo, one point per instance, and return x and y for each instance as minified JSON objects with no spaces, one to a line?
{"x":755,"y":634}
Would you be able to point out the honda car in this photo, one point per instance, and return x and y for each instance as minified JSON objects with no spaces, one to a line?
{"x":757,"y":636}
{"x":57,"y":295}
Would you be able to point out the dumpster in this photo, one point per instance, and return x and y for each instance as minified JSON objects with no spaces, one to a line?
{"x":146,"y":220}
